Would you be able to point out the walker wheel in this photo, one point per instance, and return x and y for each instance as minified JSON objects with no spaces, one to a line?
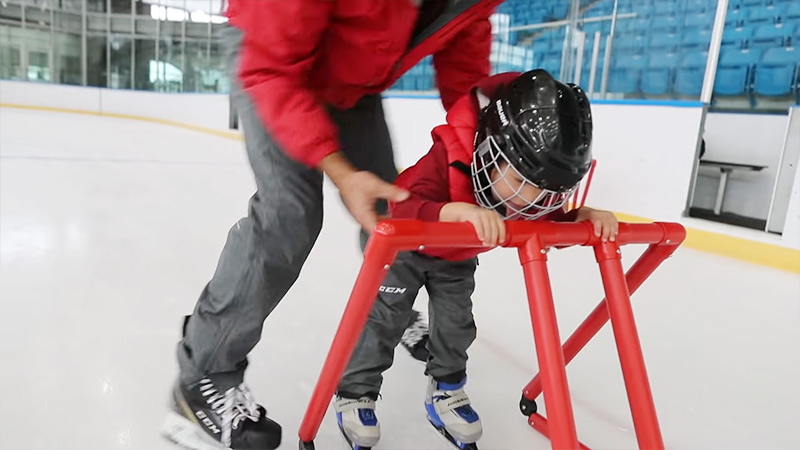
{"x":527,"y":407}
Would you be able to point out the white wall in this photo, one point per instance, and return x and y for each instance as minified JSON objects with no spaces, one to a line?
{"x":645,"y":153}
{"x":791,"y":229}
{"x":755,"y":139}
{"x":786,"y":171}
{"x":50,"y":95}
{"x":791,"y":224}
{"x":410,"y":123}
{"x":645,"y":156}
{"x":205,"y":110}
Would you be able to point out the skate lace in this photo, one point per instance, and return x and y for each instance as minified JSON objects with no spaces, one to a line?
{"x":413,"y":334}
{"x":234,"y":406}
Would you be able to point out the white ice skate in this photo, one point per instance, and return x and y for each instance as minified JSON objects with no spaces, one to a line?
{"x":450,"y":412}
{"x":357,"y":421}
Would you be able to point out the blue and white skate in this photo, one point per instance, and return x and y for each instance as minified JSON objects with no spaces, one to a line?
{"x":450,"y":412}
{"x":357,"y":422}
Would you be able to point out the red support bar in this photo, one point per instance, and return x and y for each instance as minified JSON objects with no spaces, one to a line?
{"x":637,"y":274}
{"x":391,"y":237}
{"x":410,"y":234}
{"x":540,"y":424}
{"x":378,"y":256}
{"x":630,"y":351}
{"x":548,"y":344}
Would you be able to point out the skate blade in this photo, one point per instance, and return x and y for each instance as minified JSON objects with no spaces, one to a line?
{"x":453,"y":441}
{"x":186,"y":434}
{"x":350,"y":443}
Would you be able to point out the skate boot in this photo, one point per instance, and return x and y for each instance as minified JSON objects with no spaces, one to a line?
{"x":357,"y":421}
{"x":415,"y":337}
{"x":450,"y":412}
{"x":204,"y":418}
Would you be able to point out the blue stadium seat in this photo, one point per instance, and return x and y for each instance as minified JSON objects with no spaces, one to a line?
{"x":749,"y":3}
{"x":773,"y":35}
{"x":776,"y":74}
{"x":664,"y":8}
{"x":679,"y":29}
{"x":398,"y":85}
{"x":586,"y":72}
{"x":765,"y":15}
{"x":409,"y":82}
{"x":699,"y":6}
{"x":599,"y":10}
{"x":555,"y":37}
{"x":657,"y":78}
{"x":552,"y":66}
{"x":696,"y":39}
{"x":591,"y":27}
{"x":662,"y":41}
{"x":541,"y":45}
{"x":689,"y":74}
{"x":590,"y":45}
{"x":737,"y":15}
{"x":671,"y":23}
{"x":625,"y":8}
{"x":702,"y":20}
{"x":625,"y":74}
{"x":642,"y":9}
{"x":559,"y":10}
{"x":734,"y":71}
{"x":537,"y":60}
{"x":424,"y":82}
{"x":630,"y":43}
{"x":792,"y":10}
{"x":737,"y":36}
{"x":633,"y":24}
{"x":551,"y":62}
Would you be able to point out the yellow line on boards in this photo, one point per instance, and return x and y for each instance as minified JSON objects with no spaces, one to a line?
{"x":221,"y":133}
{"x":754,"y":252}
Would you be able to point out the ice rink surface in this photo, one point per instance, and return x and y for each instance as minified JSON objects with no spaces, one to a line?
{"x":110,"y":228}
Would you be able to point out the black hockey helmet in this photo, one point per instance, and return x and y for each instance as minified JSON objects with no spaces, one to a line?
{"x":543,"y":129}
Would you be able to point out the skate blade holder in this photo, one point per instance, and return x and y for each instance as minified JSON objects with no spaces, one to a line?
{"x":532,"y":239}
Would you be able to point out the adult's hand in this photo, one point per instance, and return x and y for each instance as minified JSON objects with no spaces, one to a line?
{"x":359,"y":189}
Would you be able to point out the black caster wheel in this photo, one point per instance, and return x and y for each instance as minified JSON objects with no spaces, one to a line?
{"x":307,"y":445}
{"x":527,"y":407}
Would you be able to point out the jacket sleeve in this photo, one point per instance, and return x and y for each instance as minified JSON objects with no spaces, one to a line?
{"x":277,"y":54}
{"x":464,"y":61}
{"x":562,"y":215}
{"x":428,"y":185}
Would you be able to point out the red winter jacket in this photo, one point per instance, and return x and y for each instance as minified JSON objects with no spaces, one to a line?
{"x":443,"y":175}
{"x":300,"y":55}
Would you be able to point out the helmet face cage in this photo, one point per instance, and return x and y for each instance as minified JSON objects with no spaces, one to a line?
{"x":489,"y":157}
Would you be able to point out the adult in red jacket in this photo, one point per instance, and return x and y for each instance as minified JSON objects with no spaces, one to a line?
{"x":307,"y":81}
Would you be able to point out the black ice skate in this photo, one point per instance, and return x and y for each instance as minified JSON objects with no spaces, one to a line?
{"x":204,"y":418}
{"x":415,"y":338}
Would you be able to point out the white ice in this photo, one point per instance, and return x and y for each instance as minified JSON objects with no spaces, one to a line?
{"x":109,"y":229}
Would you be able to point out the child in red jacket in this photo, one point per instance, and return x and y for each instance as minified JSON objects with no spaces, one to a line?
{"x":515,"y":148}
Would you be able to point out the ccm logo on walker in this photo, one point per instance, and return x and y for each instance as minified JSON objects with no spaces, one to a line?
{"x":392,"y":290}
